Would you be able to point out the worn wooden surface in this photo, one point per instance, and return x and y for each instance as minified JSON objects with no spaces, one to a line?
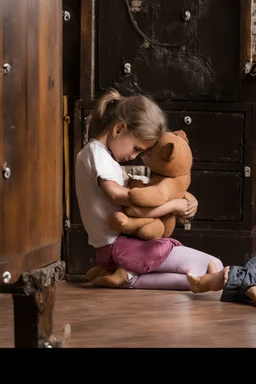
{"x":33,"y":316}
{"x":142,"y":318}
{"x":33,"y":304}
{"x":195,"y":69}
{"x":170,"y":58}
{"x":31,"y":134}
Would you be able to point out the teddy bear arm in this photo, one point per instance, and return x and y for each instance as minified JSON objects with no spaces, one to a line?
{"x":120,"y":222}
{"x":133,"y":183}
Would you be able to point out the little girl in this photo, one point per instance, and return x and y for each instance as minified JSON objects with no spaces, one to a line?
{"x":121,"y":128}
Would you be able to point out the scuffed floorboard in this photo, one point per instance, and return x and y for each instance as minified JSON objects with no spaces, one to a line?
{"x":140,"y":318}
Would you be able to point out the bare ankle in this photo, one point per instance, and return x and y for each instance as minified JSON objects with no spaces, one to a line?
{"x":251,"y":292}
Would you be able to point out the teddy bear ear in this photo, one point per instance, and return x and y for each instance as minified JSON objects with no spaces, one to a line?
{"x":167,"y":151}
{"x":181,"y":134}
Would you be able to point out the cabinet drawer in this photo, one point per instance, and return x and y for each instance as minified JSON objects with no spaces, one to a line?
{"x":220,"y":195}
{"x":216,"y":137}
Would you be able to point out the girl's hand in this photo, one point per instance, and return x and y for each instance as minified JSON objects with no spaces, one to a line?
{"x":180,"y":206}
{"x":192,"y":205}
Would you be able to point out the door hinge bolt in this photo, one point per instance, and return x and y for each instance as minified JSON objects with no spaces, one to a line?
{"x":247,"y":171}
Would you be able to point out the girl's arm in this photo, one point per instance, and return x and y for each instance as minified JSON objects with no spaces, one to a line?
{"x":118,"y":195}
{"x":176,"y":206}
{"x":115,"y":193}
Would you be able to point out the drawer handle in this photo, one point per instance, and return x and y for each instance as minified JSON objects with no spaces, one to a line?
{"x":247,"y":171}
{"x":6,"y":68}
{"x":186,"y":16}
{"x":6,"y":171}
{"x":187,"y":120}
{"x":66,"y":15}
{"x":127,"y":68}
{"x":7,"y":277}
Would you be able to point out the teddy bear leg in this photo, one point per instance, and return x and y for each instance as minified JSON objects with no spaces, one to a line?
{"x":169,"y":223}
{"x":111,"y":281}
{"x":117,"y":221}
{"x":151,"y":231}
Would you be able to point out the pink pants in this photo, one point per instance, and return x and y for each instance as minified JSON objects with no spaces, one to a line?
{"x":171,"y":273}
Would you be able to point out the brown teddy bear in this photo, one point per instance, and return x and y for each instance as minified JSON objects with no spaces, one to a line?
{"x":170,"y":162}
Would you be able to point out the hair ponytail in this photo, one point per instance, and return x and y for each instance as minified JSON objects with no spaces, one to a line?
{"x":110,"y":97}
{"x":102,"y":114}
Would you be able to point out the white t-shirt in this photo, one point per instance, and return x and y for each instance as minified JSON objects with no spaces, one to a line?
{"x":95,"y":161}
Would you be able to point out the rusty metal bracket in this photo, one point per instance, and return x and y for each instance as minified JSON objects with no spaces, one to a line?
{"x":54,"y":342}
{"x":250,"y":69}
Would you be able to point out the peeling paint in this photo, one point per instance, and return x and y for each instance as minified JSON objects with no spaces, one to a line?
{"x":203,"y":7}
{"x":253,"y":30}
{"x":195,"y":70}
{"x":157,"y":8}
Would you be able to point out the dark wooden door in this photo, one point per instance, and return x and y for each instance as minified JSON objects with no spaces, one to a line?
{"x":177,"y":50}
{"x":30,"y":135}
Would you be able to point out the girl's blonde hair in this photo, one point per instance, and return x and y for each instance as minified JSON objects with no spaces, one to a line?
{"x":141,"y":115}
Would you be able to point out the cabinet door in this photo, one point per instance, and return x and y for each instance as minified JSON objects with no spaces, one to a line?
{"x":221,"y":145}
{"x":178,"y":50}
{"x":31,"y":135}
{"x":79,"y":255}
{"x":71,"y":48}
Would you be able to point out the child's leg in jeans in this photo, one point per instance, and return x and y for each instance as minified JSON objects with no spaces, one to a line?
{"x":172,"y":272}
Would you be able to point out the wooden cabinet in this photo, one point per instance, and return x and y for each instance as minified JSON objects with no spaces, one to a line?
{"x":221,"y":141}
{"x":192,"y":57}
{"x":31,"y":161}
{"x":177,"y":50}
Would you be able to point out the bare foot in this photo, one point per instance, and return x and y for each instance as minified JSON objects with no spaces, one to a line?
{"x":194,"y":282}
{"x":207,"y":282}
{"x":113,"y":280}
{"x":251,"y":292}
{"x":226,"y":272}
{"x":96,"y":271}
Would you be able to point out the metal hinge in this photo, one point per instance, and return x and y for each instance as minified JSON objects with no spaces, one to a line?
{"x":66,"y":15}
{"x":250,"y":69}
{"x":67,"y":224}
{"x":247,"y":171}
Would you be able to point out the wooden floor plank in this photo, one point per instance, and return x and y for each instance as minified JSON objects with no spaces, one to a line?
{"x":143,"y":318}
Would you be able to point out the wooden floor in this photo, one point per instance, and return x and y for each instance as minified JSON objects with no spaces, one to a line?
{"x":142,"y":318}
